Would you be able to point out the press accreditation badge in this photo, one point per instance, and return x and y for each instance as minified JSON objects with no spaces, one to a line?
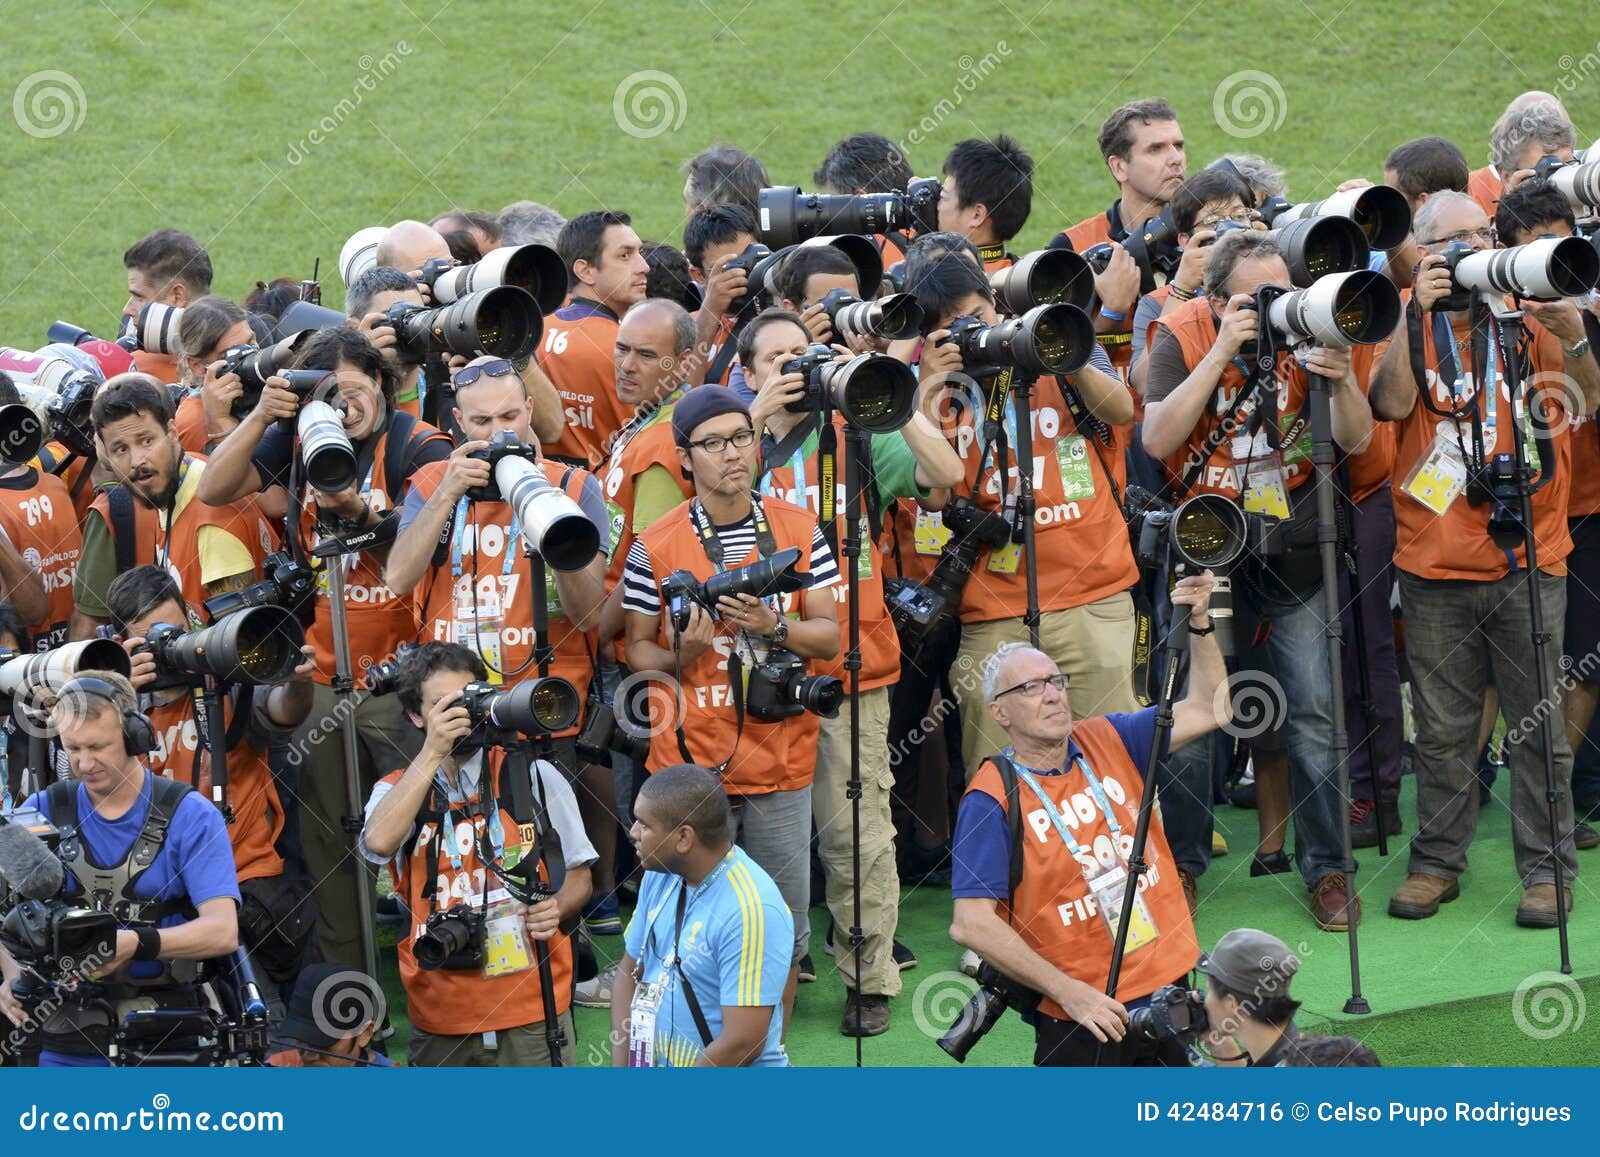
{"x":931,"y":533}
{"x":642,"y":1024}
{"x":477,"y":628}
{"x":1108,"y":888}
{"x":1077,"y":476}
{"x":1264,"y":491}
{"x":1006,"y":559}
{"x":1441,"y":477}
{"x":505,"y":942}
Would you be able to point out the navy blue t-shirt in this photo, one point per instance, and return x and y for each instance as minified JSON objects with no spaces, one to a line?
{"x":981,"y":847}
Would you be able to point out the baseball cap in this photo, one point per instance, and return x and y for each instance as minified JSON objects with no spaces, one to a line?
{"x":1250,"y":962}
{"x":330,"y":1002}
{"x":701,"y":404}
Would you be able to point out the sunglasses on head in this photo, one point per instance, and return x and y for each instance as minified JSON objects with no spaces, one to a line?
{"x":495,"y":368}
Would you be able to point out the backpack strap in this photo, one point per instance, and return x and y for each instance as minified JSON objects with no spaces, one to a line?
{"x":403,"y":444}
{"x":121,"y":520}
{"x":1008,"y":779}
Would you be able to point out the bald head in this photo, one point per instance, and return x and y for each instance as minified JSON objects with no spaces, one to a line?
{"x":409,"y":244}
{"x":685,"y":795}
{"x":1530,"y":99}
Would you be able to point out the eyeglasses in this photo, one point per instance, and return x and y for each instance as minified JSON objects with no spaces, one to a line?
{"x":497,"y":368}
{"x":1241,"y":217}
{"x":716,"y":444}
{"x":1033,"y":688}
{"x":1486,"y":235}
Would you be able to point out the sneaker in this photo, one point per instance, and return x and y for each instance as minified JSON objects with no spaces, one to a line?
{"x":1270,"y":864}
{"x":904,"y":959}
{"x":1585,"y":837}
{"x":1365,"y":817}
{"x":596,"y":992}
{"x":970,"y":961}
{"x":808,"y":971}
{"x":1219,"y":846}
{"x":865,"y":1014}
{"x":603,"y":916}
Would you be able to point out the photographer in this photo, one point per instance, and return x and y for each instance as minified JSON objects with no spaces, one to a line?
{"x":1532,"y":210}
{"x":987,"y":195}
{"x":1143,"y":147}
{"x":765,"y":767}
{"x":210,"y":328}
{"x":445,"y":826}
{"x":1247,"y":998}
{"x":1464,"y":597}
{"x":723,"y":175}
{"x":159,"y":512}
{"x":272,"y":924}
{"x":915,"y":463}
{"x":177,"y":904}
{"x":712,"y":238}
{"x":1084,"y":563}
{"x":167,"y":267}
{"x":606,"y":273}
{"x":39,"y":557}
{"x":463,"y":558}
{"x":726,"y":981}
{"x":1043,"y":914}
{"x":867,"y":163}
{"x":1196,"y":376}
{"x":1534,"y":124}
{"x":809,"y":274}
{"x":391,"y":448}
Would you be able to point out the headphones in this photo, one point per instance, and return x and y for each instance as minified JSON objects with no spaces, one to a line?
{"x":138,"y":733}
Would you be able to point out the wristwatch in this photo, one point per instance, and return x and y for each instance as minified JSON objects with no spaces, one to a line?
{"x":780,"y":633}
{"x":1577,"y":351}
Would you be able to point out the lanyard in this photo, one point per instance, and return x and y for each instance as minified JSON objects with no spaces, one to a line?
{"x":492,"y":822}
{"x":1488,"y":388}
{"x":797,"y":463}
{"x":669,"y":959}
{"x":512,"y":531}
{"x":1030,"y":777}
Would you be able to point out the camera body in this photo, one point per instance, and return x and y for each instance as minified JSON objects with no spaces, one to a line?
{"x":382,"y":678}
{"x":604,"y":733}
{"x":780,"y":688}
{"x":967,"y":520}
{"x":505,"y":444}
{"x":452,"y":939}
{"x":1174,"y":1012}
{"x":1499,"y":485}
{"x":52,"y":936}
{"x":289,"y":584}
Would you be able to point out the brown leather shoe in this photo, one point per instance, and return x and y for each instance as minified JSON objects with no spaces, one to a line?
{"x":1327,"y":903}
{"x":1191,"y":890}
{"x":1538,"y":907}
{"x":1420,"y":895}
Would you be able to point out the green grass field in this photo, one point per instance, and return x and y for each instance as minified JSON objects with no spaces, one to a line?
{"x":272,"y":131}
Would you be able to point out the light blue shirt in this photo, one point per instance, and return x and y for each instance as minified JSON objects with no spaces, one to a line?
{"x":735,"y":949}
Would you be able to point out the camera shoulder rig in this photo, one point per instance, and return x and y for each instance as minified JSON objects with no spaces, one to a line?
{"x":111,"y":888}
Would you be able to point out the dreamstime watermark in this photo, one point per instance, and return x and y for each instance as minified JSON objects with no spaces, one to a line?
{"x":1249,"y":103}
{"x":973,"y":70}
{"x":648,"y":103}
{"x":938,"y":1000}
{"x":73,"y":973}
{"x":1259,"y":704}
{"x":49,"y":103}
{"x":346,"y":1001}
{"x":1547,"y":1005}
{"x":373,"y":71}
{"x":1577,"y":70}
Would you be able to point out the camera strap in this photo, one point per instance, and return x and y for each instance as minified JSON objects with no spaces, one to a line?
{"x":1447,"y":355}
{"x":766,"y":545}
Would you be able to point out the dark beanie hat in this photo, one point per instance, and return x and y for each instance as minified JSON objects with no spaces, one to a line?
{"x":701,"y":404}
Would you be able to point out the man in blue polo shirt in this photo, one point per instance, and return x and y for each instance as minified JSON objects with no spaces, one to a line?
{"x":182,"y":907}
{"x":701,"y":981}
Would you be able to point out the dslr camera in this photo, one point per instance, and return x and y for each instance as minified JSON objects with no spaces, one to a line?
{"x":503,"y":322}
{"x":781,"y":689}
{"x":452,"y":939}
{"x":1174,"y":1013}
{"x":921,"y":610}
{"x":289,"y":584}
{"x":540,"y":706}
{"x":874,"y":392}
{"x":763,"y":578}
{"x":383,"y":678}
{"x":552,"y":523}
{"x":255,"y":646}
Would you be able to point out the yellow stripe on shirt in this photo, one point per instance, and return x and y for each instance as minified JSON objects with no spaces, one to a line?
{"x":755,"y":934}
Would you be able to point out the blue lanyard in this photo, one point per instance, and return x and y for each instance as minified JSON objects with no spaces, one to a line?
{"x":1028,"y":776}
{"x":798,"y":465}
{"x":497,"y":831}
{"x":700,"y":889}
{"x":511,"y":553}
{"x":1490,"y":388}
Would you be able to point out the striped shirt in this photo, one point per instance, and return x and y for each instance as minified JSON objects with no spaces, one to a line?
{"x":641,"y":590}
